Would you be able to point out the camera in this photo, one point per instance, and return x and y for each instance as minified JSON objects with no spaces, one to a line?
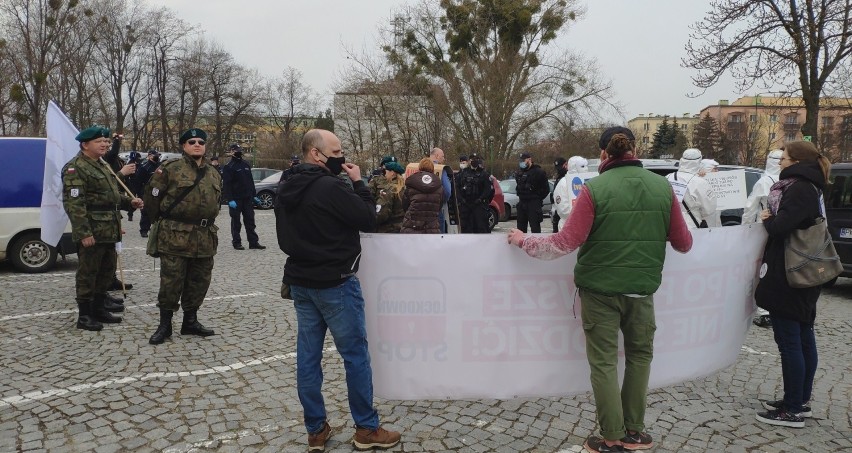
{"x":134,"y":157}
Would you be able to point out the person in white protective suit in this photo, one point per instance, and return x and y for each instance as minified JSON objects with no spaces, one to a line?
{"x":698,"y":201}
{"x":757,"y":198}
{"x":757,"y":202}
{"x":708,"y":166}
{"x":564,"y":194}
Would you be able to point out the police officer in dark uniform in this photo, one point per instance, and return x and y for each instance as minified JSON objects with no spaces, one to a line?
{"x":561,"y":166}
{"x":140,"y":179}
{"x":475,"y":192}
{"x":238,"y":189}
{"x":92,"y":199}
{"x":532,"y":187}
{"x":294,"y":161}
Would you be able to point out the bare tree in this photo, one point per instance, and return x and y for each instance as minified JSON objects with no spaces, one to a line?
{"x":773,"y":42}
{"x":487,"y":69}
{"x":35,"y":31}
{"x":288,"y":101}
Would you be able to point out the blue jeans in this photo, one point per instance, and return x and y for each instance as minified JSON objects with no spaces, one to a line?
{"x":339,"y":310}
{"x":797,"y":347}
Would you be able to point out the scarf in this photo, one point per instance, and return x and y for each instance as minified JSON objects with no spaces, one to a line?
{"x":775,"y":193}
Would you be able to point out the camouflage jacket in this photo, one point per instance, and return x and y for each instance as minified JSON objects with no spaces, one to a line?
{"x":188,"y":230}
{"x":389,"y":211}
{"x":92,"y":199}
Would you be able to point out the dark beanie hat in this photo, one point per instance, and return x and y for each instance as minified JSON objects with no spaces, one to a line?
{"x":607,"y":135}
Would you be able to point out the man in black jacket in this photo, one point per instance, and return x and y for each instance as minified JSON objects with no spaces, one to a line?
{"x":532,"y":187}
{"x":137,"y":185}
{"x":318,"y":219}
{"x":238,"y":189}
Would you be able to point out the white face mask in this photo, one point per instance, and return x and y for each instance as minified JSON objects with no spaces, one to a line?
{"x":463,"y":166}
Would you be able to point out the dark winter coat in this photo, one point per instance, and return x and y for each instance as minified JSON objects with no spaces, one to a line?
{"x":237,"y":180}
{"x":798,"y":208}
{"x":422,"y":203}
{"x":318,"y":218}
{"x":532,"y":184}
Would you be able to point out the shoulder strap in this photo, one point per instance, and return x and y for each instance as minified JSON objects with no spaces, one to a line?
{"x":182,"y":195}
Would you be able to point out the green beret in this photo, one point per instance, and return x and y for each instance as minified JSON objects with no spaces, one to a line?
{"x":393,"y":166}
{"x":92,"y":133}
{"x":387,"y":159}
{"x":192,"y":133}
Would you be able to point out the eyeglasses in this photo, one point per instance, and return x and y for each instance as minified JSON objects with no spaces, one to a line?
{"x":192,"y":142}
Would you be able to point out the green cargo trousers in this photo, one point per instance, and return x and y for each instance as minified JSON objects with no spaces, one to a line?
{"x":96,"y":270}
{"x":183,"y":282}
{"x":619,"y":409}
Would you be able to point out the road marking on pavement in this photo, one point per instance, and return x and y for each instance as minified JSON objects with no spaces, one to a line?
{"x":753,"y":351}
{"x":226,"y":438}
{"x":60,"y":274}
{"x":63,"y":312}
{"x":49,"y":393}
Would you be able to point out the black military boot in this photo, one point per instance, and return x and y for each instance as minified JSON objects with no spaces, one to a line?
{"x":101,"y":314}
{"x":191,"y":326}
{"x":164,"y":330}
{"x":113,"y":304}
{"x":85,"y":321}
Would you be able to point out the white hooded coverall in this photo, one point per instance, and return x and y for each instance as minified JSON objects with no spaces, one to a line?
{"x":694,"y":192}
{"x":565,"y":194}
{"x":757,"y":198}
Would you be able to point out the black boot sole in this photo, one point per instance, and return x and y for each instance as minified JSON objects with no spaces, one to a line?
{"x":113,"y":320}
{"x":197,"y":333}
{"x":90,"y":327}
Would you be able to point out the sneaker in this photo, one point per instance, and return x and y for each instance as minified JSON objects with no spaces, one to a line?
{"x":781,"y":417}
{"x":637,"y":441}
{"x":366,"y":439}
{"x":595,"y":444}
{"x":776,"y":405}
{"x":316,"y":441}
{"x":762,"y":321}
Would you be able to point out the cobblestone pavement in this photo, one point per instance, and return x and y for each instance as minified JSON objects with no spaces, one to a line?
{"x":64,"y":389}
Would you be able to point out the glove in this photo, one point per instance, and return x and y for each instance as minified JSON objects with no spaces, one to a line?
{"x":257,"y":200}
{"x":232,"y":204}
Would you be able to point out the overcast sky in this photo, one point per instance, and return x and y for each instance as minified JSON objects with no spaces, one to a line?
{"x":638,"y":44}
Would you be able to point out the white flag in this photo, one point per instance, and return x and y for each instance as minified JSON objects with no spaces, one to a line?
{"x":61,"y":147}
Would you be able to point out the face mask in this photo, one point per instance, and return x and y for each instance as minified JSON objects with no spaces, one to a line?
{"x":562,"y":171}
{"x":334,"y":164}
{"x":462,"y":166}
{"x":523,"y":165}
{"x":238,"y":155}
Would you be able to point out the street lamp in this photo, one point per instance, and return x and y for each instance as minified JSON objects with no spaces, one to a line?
{"x":491,"y":152}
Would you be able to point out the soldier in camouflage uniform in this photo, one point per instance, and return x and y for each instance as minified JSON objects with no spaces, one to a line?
{"x":92,"y":199}
{"x":186,"y":235}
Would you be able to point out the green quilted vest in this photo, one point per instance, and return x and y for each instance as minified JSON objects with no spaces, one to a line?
{"x":626,"y":248}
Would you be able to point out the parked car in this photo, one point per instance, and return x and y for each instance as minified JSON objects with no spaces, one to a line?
{"x":164,"y":157}
{"x":510,"y":196}
{"x":838,"y":210}
{"x":729,"y":217}
{"x":259,"y":174}
{"x":266,"y":190}
{"x":21,"y":183}
{"x":496,"y":210}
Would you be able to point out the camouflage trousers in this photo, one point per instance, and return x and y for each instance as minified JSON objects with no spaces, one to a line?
{"x":183,"y":281}
{"x":96,"y":270}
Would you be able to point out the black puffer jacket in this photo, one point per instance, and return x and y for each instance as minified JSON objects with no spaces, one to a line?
{"x":798,"y":208}
{"x":422,"y":202}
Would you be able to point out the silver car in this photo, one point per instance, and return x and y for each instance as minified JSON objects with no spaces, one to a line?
{"x":510,"y":198}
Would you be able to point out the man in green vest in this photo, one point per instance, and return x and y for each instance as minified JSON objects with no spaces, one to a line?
{"x":620,"y":223}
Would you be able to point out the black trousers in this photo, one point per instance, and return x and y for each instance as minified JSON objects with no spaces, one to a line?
{"x":245,"y":207}
{"x":474,"y":218}
{"x":144,"y":221}
{"x":529,"y":212}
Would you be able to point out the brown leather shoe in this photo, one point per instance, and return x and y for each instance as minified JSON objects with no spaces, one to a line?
{"x":316,"y":442}
{"x":366,"y":439}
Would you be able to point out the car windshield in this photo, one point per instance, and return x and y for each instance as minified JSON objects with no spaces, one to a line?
{"x":508,"y":185}
{"x":275,"y":177}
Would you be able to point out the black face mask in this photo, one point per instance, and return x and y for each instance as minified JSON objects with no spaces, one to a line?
{"x":334,"y":164}
{"x":562,"y":171}
{"x":238,"y":155}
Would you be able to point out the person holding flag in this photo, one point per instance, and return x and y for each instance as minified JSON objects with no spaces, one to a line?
{"x":92,"y":199}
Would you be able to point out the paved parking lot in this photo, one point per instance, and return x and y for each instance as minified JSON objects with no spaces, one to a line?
{"x":64,"y":389}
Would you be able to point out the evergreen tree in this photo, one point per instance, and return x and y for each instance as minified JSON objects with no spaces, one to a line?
{"x":707,"y":137}
{"x":661,"y":139}
{"x":325,"y":122}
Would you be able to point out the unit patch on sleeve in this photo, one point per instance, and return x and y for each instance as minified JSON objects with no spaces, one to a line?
{"x":75,"y":192}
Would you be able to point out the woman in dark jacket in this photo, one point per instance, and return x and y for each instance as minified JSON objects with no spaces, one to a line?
{"x":795,"y":201}
{"x":422,"y":200}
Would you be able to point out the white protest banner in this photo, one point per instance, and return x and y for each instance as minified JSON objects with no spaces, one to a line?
{"x":468,"y":316}
{"x":729,"y":187}
{"x":61,"y":147}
